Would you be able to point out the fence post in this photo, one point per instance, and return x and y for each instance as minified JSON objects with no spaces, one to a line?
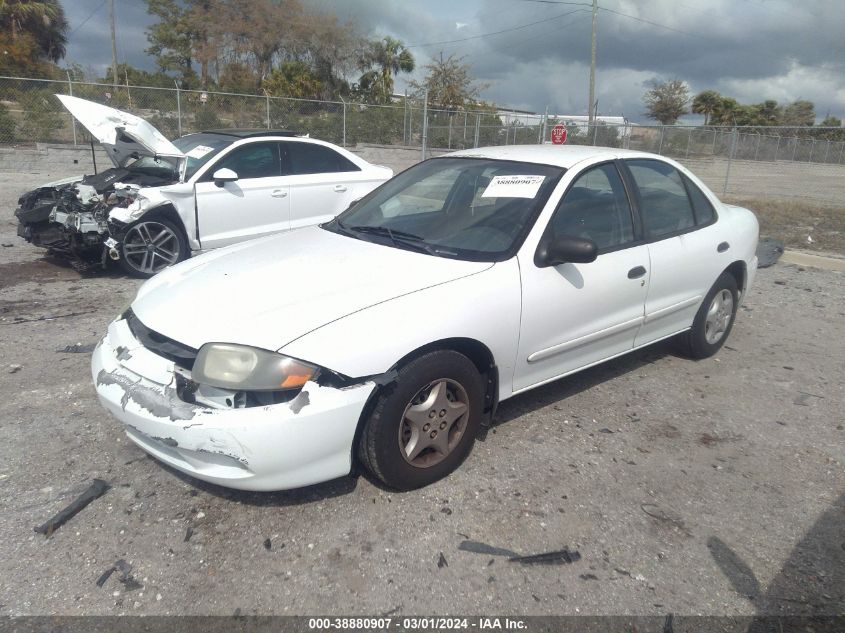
{"x":595,"y":131}
{"x":404,"y":119}
{"x":777,"y":147}
{"x":466,"y":114}
{"x":730,"y":160}
{"x":478,"y":129}
{"x":425,"y":123}
{"x":659,"y":147}
{"x":757,"y":149}
{"x":267,"y":99}
{"x":812,"y":148}
{"x":178,"y":108}
{"x":72,"y":119}
{"x":826,"y":151}
{"x":545,"y":122}
{"x":689,"y":140}
{"x":343,"y":101}
{"x":841,"y":149}
{"x":449,"y":142}
{"x":794,"y":148}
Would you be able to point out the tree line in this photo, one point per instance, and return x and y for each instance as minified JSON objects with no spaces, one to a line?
{"x":667,"y":101}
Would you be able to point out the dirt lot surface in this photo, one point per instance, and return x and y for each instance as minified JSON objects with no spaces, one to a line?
{"x":713,"y":487}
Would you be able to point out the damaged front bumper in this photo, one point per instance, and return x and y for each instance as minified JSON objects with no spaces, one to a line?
{"x":297,"y":443}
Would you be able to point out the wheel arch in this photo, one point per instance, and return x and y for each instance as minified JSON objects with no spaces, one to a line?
{"x":739,"y":272}
{"x":167,"y":211}
{"x":473,"y":349}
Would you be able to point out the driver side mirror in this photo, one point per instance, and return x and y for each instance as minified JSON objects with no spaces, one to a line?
{"x":224,"y":175}
{"x":565,"y":249}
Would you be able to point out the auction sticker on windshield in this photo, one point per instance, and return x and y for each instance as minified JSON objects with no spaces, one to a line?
{"x":513,"y":187}
{"x":199,"y":151}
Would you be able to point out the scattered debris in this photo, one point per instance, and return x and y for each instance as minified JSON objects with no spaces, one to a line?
{"x":78,"y":348}
{"x":447,"y":510}
{"x":482,"y":548}
{"x":623,"y":572}
{"x":268,"y":544}
{"x":665,"y":516}
{"x":588,"y":577}
{"x":126,"y":579}
{"x":7,"y":245}
{"x":97,"y":489}
{"x":605,"y":430}
{"x":804,"y":397}
{"x":769,"y":251}
{"x":789,"y":367}
{"x":13,"y":369}
{"x":558,"y":557}
{"x":441,"y":562}
{"x":49,"y":317}
{"x":189,"y":532}
{"x":780,"y":282}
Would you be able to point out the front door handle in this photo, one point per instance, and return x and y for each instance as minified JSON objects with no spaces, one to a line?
{"x":340,"y":188}
{"x":279,"y":193}
{"x":636,"y":272}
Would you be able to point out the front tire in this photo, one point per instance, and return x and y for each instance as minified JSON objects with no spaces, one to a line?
{"x":423,"y":426}
{"x":713,"y":321}
{"x":150,"y":245}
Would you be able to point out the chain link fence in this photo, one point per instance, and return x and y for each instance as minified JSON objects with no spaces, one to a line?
{"x":785,"y":162}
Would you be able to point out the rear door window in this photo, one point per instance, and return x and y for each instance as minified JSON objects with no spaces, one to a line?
{"x":310,"y":158}
{"x":664,"y":204}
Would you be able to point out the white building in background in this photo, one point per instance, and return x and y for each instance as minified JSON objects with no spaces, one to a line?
{"x":580,"y":121}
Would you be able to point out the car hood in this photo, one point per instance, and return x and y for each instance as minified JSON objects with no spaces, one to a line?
{"x":271,"y":291}
{"x":123,"y":135}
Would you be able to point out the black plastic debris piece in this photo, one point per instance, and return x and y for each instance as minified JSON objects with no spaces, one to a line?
{"x":126,"y":578}
{"x":189,"y":532}
{"x":78,"y":348}
{"x":588,"y":577}
{"x":447,"y":511}
{"x":268,"y":544}
{"x":769,"y":251}
{"x":441,"y":562}
{"x":482,"y":548}
{"x":97,"y":489}
{"x":558,"y":557}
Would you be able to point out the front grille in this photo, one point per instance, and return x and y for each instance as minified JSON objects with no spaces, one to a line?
{"x":180,"y":354}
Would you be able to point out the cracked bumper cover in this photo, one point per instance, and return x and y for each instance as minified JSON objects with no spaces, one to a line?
{"x":302,"y":442}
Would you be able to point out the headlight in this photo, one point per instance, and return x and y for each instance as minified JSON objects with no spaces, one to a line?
{"x":246,"y":368}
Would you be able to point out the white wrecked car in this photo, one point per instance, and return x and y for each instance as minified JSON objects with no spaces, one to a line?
{"x":163,"y":201}
{"x":388,"y":335}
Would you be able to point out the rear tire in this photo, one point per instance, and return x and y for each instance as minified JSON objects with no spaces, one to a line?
{"x":150,"y":245}
{"x":423,"y":426}
{"x":713,"y":321}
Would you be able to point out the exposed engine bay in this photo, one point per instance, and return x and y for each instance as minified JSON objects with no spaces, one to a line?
{"x":76,"y":219}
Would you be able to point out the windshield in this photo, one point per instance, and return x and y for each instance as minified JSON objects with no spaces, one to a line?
{"x":201,"y":148}
{"x":467,"y":208}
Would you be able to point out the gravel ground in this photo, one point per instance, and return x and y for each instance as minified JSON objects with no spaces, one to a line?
{"x":711,"y":488}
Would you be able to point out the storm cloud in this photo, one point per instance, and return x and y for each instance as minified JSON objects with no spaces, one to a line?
{"x":532,"y":54}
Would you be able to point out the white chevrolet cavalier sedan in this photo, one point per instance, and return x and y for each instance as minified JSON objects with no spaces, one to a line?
{"x":388,"y":336}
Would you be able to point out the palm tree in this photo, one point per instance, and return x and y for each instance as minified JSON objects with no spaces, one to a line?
{"x":17,"y":14}
{"x":706,"y":103}
{"x":390,"y":57}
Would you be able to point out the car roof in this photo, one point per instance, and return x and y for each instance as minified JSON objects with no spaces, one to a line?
{"x":250,"y":132}
{"x":558,"y":155}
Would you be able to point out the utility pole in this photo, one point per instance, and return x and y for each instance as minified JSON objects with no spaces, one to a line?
{"x":113,"y":47}
{"x":593,"y":64}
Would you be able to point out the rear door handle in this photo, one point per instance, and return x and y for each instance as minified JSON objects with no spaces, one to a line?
{"x":636,"y":272}
{"x":279,"y":193}
{"x":340,"y":188}
{"x":723,"y":247}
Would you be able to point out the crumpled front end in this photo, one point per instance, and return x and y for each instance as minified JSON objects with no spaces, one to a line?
{"x":216,"y":436}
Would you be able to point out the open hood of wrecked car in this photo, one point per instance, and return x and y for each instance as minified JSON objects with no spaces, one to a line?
{"x":123,"y":135}
{"x":270,"y":291}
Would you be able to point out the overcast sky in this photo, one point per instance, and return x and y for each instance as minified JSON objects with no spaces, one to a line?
{"x":536,"y":53}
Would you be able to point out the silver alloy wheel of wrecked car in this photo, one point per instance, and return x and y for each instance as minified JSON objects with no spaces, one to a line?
{"x":433,"y":423}
{"x":719,"y":316}
{"x":149,"y":247}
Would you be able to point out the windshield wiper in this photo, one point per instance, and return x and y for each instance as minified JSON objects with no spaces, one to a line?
{"x":400,"y":239}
